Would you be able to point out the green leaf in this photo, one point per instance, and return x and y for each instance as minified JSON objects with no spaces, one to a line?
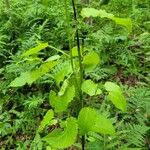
{"x":126,"y":22}
{"x":116,"y":95}
{"x":60,"y":103}
{"x":37,"y":143}
{"x":47,"y":120}
{"x":52,"y":58}
{"x":35,"y":50}
{"x":90,"y":120}
{"x":31,"y":76}
{"x":62,"y":72}
{"x":110,"y":86}
{"x":91,"y":88}
{"x":90,"y":61}
{"x":65,"y":138}
{"x":63,"y":88}
{"x":91,"y":12}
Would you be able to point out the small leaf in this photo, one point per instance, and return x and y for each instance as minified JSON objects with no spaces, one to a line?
{"x":91,"y":88}
{"x":63,"y":88}
{"x":116,"y":95}
{"x":36,"y":49}
{"x":47,"y":120}
{"x":63,"y":139}
{"x":90,"y":61}
{"x":52,"y":58}
{"x":90,"y":120}
{"x":60,"y":103}
{"x":75,"y":51}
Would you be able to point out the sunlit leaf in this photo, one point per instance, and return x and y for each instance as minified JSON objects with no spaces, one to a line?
{"x":90,"y":120}
{"x":60,"y":103}
{"x":31,"y":76}
{"x":126,"y":22}
{"x":36,"y":49}
{"x":116,"y":95}
{"x":47,"y":120}
{"x":92,"y":12}
{"x":90,"y":61}
{"x":63,"y":88}
{"x":52,"y":58}
{"x":91,"y":88}
{"x":63,"y":138}
{"x":62,"y":72}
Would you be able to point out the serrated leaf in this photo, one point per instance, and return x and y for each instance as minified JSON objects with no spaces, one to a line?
{"x":90,"y":120}
{"x":35,"y":50}
{"x":65,"y":138}
{"x":115,"y":95}
{"x":47,"y":120}
{"x":64,"y":71}
{"x":92,"y":12}
{"x":91,"y":88}
{"x":60,"y":103}
{"x":90,"y":61}
{"x":31,"y":76}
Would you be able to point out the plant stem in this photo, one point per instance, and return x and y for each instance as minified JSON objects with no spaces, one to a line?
{"x":79,"y":49}
{"x":80,"y":64}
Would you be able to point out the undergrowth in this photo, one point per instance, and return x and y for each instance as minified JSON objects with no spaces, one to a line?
{"x":124,"y":59}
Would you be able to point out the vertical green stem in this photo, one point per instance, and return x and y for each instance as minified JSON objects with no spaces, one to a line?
{"x":78,"y":48}
{"x":80,"y":63}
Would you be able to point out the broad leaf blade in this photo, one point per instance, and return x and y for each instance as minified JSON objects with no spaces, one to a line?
{"x":91,"y":88}
{"x":126,"y":22}
{"x":31,"y":76}
{"x":116,"y":95}
{"x":46,"y":120}
{"x":92,"y":12}
{"x":90,"y":61}
{"x":35,"y":50}
{"x":63,"y":139}
{"x":90,"y":120}
{"x":60,"y":103}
